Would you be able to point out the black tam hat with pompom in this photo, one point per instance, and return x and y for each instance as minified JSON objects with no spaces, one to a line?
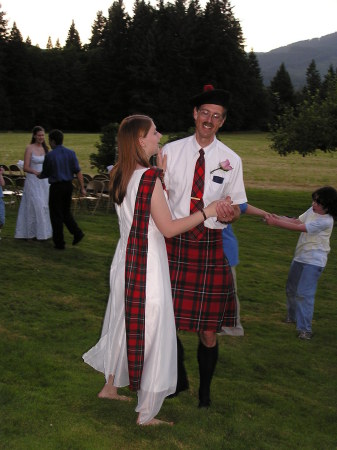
{"x":211,"y":96}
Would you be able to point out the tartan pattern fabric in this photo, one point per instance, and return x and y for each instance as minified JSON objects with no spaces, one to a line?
{"x":198,"y":192}
{"x":135,"y":277}
{"x":202,"y":284}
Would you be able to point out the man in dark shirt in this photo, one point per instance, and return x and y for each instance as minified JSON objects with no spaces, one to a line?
{"x":59,"y":166}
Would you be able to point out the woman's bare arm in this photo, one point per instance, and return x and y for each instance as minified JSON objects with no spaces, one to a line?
{"x":163,"y":219}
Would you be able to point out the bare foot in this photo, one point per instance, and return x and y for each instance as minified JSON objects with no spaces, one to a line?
{"x":155,"y":422}
{"x":110,"y":392}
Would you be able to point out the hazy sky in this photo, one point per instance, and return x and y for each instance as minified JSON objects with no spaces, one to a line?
{"x":266,"y":24}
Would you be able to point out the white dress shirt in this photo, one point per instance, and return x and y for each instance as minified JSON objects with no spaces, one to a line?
{"x":181,"y":158}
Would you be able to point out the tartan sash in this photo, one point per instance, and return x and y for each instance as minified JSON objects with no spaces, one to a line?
{"x":197,"y":202}
{"x":135,"y":277}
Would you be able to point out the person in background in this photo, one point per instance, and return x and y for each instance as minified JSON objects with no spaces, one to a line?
{"x":200,"y":169}
{"x":138,"y":341}
{"x":60,"y":166}
{"x":2,"y":203}
{"x":231,"y":250}
{"x":311,"y":254}
{"x":33,"y":221}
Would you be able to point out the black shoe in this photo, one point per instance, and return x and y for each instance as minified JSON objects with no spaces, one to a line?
{"x":181,"y":388}
{"x":204,"y":399}
{"x":78,"y":238}
{"x":59,"y":247}
{"x":203,"y":404}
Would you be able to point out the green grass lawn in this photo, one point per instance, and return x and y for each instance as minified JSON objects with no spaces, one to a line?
{"x":270,"y":390}
{"x":263,"y":167}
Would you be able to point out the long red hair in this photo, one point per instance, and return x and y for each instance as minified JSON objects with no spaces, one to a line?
{"x":130,"y":154}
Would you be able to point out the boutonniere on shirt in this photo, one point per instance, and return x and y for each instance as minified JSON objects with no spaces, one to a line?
{"x":224,"y":165}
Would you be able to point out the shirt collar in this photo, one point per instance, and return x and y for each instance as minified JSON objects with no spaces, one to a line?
{"x":196,"y":146}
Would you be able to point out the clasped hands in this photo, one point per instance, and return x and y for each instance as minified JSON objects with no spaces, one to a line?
{"x":271,"y":219}
{"x":225,"y":210}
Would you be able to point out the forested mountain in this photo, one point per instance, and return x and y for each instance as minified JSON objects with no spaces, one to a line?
{"x":297,"y":57}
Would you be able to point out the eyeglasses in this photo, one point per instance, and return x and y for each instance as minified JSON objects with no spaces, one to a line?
{"x":205,"y":114}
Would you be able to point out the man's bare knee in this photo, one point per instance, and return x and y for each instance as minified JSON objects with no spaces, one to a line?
{"x":208,"y":338}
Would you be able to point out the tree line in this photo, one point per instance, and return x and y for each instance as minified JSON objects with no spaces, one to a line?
{"x":153,"y":63}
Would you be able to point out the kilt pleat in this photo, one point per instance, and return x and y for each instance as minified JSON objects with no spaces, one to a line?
{"x":202,"y":284}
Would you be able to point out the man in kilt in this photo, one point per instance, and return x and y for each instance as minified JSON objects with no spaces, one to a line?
{"x":202,"y":284}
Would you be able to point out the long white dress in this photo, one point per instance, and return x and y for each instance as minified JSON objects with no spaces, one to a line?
{"x":33,"y":219}
{"x":109,"y":355}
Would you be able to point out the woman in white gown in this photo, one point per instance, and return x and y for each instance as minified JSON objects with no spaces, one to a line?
{"x":33,"y":219}
{"x":144,"y":220}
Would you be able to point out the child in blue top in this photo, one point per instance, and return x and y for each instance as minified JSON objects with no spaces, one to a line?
{"x":310,"y":257}
{"x":2,"y":204}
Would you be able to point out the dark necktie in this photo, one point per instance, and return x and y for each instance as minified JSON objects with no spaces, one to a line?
{"x":197,"y":202}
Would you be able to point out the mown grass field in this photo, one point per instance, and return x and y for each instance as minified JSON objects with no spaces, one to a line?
{"x":270,"y":390}
{"x":263,"y":168}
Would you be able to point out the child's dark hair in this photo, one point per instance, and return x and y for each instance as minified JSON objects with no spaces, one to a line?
{"x":327,"y":197}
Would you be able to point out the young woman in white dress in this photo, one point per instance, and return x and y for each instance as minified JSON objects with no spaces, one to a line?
{"x":138,"y":140}
{"x":33,"y":221}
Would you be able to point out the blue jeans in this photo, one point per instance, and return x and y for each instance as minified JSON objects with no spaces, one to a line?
{"x":2,"y":212}
{"x":301,"y":288}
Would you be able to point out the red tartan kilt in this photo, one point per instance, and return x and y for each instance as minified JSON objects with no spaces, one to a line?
{"x":202,"y":284}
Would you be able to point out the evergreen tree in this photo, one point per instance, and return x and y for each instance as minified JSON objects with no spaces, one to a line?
{"x":74,"y":88}
{"x":281,"y":92}
{"x":55,"y":73}
{"x":98,"y":31}
{"x":281,"y":86}
{"x":15,"y":35}
{"x":175,"y":64}
{"x":256,"y":100}
{"x":225,"y":64}
{"x":5,"y":110}
{"x":20,"y":83}
{"x":313,"y":80}
{"x":107,"y":149}
{"x":3,"y":27}
{"x":193,"y":26}
{"x":142,"y":71}
{"x":110,"y":93}
{"x":73,"y":39}
{"x":28,"y":41}
{"x":41,"y":104}
{"x":116,"y":36}
{"x":49,"y":45}
{"x":329,"y":80}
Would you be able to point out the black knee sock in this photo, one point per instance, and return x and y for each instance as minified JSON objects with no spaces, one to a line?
{"x":207,"y":359}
